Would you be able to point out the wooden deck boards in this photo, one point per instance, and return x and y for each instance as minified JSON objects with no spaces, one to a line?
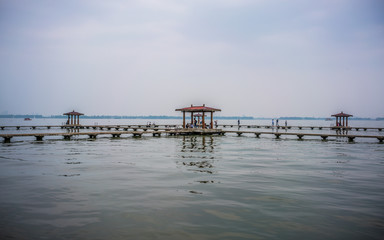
{"x":171,"y":130}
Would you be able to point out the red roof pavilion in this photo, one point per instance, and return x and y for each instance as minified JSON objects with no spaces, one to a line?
{"x":343,"y":116}
{"x":72,"y":116}
{"x":198,"y":109}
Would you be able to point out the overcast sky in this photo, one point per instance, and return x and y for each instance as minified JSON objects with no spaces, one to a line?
{"x":258,"y":58}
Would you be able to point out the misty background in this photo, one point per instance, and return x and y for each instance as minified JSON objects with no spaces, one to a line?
{"x":145,"y":57}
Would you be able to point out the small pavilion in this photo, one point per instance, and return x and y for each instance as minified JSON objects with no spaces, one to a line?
{"x":73,"y":118}
{"x":198,"y":109}
{"x":342,"y":116}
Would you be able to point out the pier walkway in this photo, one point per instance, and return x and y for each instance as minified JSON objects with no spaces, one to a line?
{"x":302,"y":135}
{"x":115,"y":134}
{"x":303,"y":127}
{"x":133,"y":127}
{"x":100,"y":127}
{"x":173,"y":132}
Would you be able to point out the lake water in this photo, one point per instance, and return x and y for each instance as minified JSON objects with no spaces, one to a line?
{"x":192,"y":187}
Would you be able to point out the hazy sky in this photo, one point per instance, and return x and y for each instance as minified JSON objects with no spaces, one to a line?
{"x":259,"y":58}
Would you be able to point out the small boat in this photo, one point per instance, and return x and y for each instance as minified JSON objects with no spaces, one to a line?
{"x":27,"y":119}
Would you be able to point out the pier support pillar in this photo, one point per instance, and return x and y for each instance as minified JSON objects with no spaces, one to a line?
{"x":39,"y":138}
{"x":324,"y":137}
{"x":137,"y":134}
{"x":277,"y":135}
{"x":7,"y":139}
{"x":257,"y":135}
{"x":67,"y":137}
{"x":92,"y":136}
{"x":350,"y":139}
{"x":300,"y":137}
{"x":239,"y":134}
{"x":380,"y":139}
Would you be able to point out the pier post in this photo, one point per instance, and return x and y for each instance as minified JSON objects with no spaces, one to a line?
{"x":350,"y":139}
{"x":7,"y":139}
{"x":39,"y":137}
{"x":300,"y":136}
{"x":92,"y":136}
{"x":324,"y":137}
{"x":239,"y":133}
{"x":137,"y":134}
{"x":380,"y":139}
{"x":277,"y":135}
{"x":67,"y":137}
{"x":257,"y":135}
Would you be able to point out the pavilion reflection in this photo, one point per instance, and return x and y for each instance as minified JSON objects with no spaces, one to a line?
{"x":197,"y":153}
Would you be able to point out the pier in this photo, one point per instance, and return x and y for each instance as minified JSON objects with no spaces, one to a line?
{"x":115,"y":134}
{"x":302,"y":127}
{"x":179,"y":131}
{"x":126,"y":127}
{"x":301,"y":135}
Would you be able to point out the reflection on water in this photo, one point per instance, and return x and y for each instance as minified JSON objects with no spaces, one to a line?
{"x":197,"y":154}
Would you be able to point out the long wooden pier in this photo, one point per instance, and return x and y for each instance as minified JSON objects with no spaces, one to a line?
{"x":303,"y":127}
{"x":115,"y":134}
{"x":173,"y":132}
{"x":133,"y":127}
{"x":100,"y":127}
{"x":301,"y":135}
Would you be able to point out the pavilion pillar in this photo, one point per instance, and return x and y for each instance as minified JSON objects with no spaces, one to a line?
{"x":68,"y":120}
{"x":347,"y":122}
{"x":71,"y":120}
{"x":78,"y":120}
{"x":343,"y":121}
{"x":203,"y":120}
{"x":211,"y":120}
{"x":336,"y":122}
{"x":183,"y":119}
{"x":191,"y":118}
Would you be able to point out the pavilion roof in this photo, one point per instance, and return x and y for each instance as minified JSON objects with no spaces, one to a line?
{"x":73,"y":113}
{"x":342,"y":115}
{"x":198,"y":109}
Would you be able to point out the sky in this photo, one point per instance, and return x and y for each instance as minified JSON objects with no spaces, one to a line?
{"x":260,"y":58}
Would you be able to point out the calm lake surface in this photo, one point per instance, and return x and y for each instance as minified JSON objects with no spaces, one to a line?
{"x":192,"y":187}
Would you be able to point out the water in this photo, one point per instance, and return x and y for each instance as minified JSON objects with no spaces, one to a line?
{"x":194,"y":187}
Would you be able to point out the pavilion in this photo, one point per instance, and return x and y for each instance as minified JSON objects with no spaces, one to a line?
{"x":343,"y":116}
{"x":73,"y":118}
{"x":198,"y":109}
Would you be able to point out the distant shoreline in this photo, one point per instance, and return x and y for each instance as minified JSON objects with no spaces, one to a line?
{"x":176,"y":117}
